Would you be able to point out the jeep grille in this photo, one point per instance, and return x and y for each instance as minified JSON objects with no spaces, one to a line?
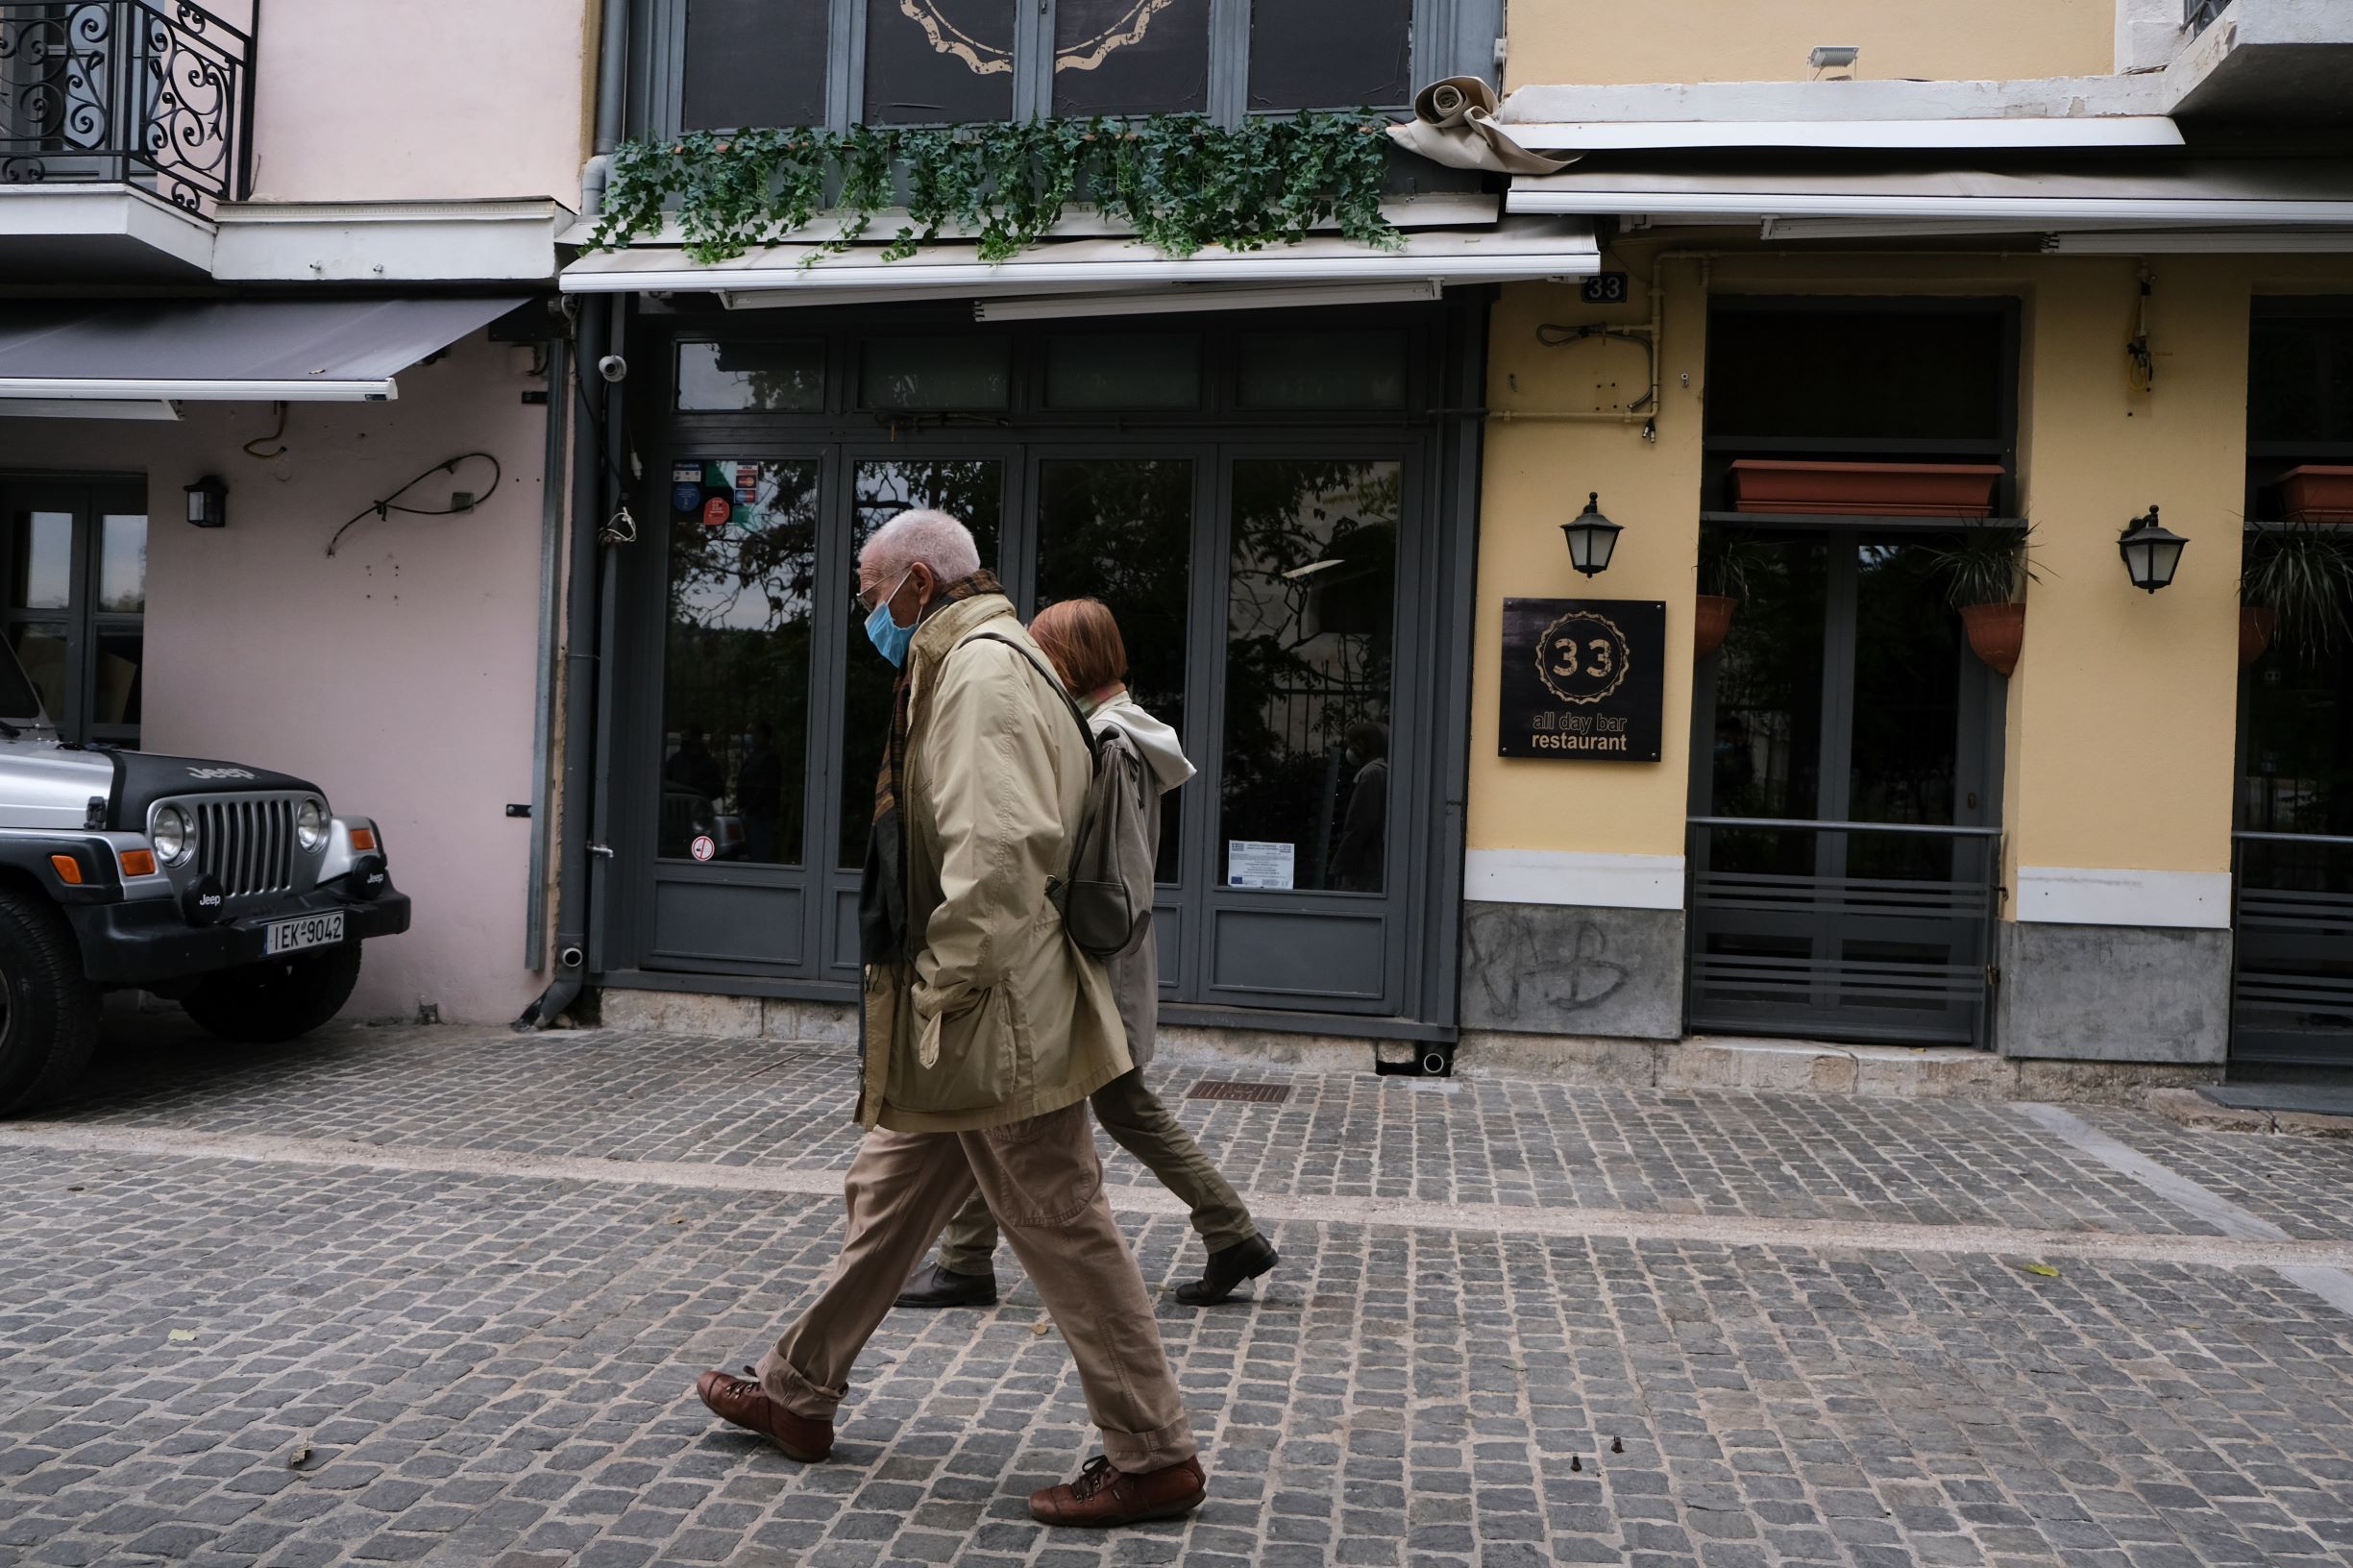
{"x":248,"y":844}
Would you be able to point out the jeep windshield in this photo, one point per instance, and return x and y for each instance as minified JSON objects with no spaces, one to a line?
{"x":19,"y":706}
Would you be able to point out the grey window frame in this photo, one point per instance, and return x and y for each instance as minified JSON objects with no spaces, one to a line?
{"x":1451,"y":38}
{"x":91,"y":497}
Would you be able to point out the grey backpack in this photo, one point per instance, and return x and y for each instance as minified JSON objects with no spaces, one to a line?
{"x":1099,"y":906}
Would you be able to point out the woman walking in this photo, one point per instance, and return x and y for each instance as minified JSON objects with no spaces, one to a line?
{"x":1081,"y":639}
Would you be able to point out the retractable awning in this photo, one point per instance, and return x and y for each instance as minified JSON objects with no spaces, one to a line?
{"x":1820,"y":201}
{"x":292,"y":351}
{"x":1111,"y":275}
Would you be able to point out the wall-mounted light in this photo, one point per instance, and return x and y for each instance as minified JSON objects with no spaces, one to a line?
{"x":1591,"y":536}
{"x":2152,"y":552}
{"x":1830,"y":57}
{"x":209,"y":503}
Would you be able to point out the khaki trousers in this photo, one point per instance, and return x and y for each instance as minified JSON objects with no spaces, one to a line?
{"x":1041,"y":1177}
{"x":1138,"y":1123}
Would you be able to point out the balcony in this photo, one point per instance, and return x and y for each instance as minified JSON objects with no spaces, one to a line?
{"x":2276,"y":62}
{"x":124,"y":124}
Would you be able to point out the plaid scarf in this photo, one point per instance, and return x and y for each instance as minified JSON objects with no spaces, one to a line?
{"x":882,"y":893}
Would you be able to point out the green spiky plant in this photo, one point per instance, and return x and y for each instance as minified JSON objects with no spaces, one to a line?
{"x":1989,"y":565}
{"x":2303,"y":576}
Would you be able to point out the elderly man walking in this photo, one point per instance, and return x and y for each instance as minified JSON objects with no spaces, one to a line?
{"x":985,"y":1031}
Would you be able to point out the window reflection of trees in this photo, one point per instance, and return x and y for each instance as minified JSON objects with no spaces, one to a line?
{"x":1308,"y":651}
{"x":736,"y":669}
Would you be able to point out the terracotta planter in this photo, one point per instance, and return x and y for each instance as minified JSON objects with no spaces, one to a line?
{"x":1997,"y":632}
{"x":2318,"y":493}
{"x":1711,"y":622}
{"x":2256,"y":624}
{"x":1865,"y":489}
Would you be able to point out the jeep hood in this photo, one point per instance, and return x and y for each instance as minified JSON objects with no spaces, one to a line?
{"x":140,"y":780}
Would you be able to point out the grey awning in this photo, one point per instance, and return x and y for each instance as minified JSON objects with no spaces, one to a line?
{"x":294,"y":351}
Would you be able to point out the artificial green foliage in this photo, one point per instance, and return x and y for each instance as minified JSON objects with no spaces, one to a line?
{"x":1178,"y":180}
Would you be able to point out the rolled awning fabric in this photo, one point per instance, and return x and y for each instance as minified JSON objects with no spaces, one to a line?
{"x":1454,"y":123}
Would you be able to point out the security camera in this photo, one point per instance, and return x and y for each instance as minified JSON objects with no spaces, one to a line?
{"x":612,"y":367}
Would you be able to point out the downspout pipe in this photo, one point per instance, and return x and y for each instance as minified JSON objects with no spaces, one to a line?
{"x":591,"y":499}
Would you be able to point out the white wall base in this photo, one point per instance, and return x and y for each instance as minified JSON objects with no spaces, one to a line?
{"x":1565,"y":876}
{"x":2101,"y":895}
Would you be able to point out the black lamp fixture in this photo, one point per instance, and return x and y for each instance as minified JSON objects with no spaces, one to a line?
{"x":2152,"y":552}
{"x":1591,"y":537}
{"x":209,"y":503}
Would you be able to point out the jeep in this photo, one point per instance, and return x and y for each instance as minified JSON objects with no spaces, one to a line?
{"x":230,"y":889}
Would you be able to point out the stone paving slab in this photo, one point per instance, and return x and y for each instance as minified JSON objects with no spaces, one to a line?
{"x":1484,"y":1140}
{"x":495,"y":1367}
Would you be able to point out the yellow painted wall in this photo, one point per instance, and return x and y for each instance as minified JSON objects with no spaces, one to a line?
{"x":1750,"y":40}
{"x":2122,"y":715}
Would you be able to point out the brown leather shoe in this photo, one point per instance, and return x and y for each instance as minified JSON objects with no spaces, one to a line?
{"x":740,"y":1399}
{"x":1103,"y":1497}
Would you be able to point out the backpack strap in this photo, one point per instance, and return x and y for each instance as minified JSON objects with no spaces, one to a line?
{"x":1051,"y":680}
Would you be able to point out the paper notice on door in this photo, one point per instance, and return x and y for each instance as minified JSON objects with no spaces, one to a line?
{"x":1253,"y":864}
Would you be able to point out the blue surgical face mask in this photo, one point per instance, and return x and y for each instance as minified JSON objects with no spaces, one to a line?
{"x":889,"y":639}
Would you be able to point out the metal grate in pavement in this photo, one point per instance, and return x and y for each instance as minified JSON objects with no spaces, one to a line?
{"x":1219,"y":1088}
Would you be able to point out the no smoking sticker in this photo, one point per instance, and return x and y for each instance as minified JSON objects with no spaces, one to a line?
{"x":703,"y":848}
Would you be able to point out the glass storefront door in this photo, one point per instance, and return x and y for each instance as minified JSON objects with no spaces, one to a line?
{"x":73,"y":598}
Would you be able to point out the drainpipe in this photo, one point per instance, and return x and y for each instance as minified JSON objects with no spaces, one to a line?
{"x":590,"y":494}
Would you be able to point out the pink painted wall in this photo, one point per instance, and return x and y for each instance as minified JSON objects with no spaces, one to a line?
{"x":397,"y":674}
{"x":423,"y":100}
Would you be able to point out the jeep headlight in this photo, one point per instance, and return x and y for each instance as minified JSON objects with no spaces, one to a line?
{"x":311,"y":824}
{"x":174,"y":836}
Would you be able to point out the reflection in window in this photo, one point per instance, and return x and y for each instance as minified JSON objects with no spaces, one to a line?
{"x":1123,"y":370}
{"x":735,"y":675}
{"x":43,"y":579}
{"x":1310,"y":616}
{"x":755,"y":62}
{"x":1130,"y":57}
{"x":972,"y":489}
{"x":1120,"y":530}
{"x":770,"y":378}
{"x":1323,"y":370}
{"x":1330,"y":54}
{"x":1766,"y":756}
{"x":937,"y":62}
{"x":41,"y":649}
{"x":122,"y":563}
{"x":934,"y":373}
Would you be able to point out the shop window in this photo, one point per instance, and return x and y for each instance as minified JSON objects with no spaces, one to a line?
{"x":933,"y":61}
{"x":1120,"y":530}
{"x":972,"y":489}
{"x":1323,"y":53}
{"x":927,"y":373}
{"x":766,"y":378}
{"x":76,"y":606}
{"x":2300,"y":379}
{"x":1323,"y":370}
{"x":1838,"y":373}
{"x":1130,"y":57}
{"x":1123,"y":370}
{"x":735,"y":672}
{"x":1311,"y":610}
{"x":748,"y":63}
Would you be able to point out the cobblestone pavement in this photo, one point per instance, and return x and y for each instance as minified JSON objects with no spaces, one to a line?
{"x":1517,"y":1323}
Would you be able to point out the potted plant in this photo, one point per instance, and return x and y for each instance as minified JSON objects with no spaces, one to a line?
{"x":1983,"y":577}
{"x":2318,"y":493}
{"x":1774,"y":484}
{"x":2294,"y":590}
{"x":1727,"y":558}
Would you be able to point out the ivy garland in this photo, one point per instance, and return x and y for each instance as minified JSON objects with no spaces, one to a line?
{"x":1178,"y":180}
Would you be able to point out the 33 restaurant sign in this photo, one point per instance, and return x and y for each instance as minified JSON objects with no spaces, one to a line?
{"x":1584,"y":678}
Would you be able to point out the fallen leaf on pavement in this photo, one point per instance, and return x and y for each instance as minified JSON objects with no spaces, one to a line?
{"x":184,"y":1334}
{"x":1041,"y":1330}
{"x":301,"y":1455}
{"x":2044,"y":1270}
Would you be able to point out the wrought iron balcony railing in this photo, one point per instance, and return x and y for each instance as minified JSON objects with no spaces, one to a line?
{"x":2197,"y":15}
{"x":154,"y":93}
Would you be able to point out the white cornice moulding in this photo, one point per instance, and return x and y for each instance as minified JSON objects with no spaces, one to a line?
{"x":2101,"y":895}
{"x":383,"y":242}
{"x":1574,"y":877}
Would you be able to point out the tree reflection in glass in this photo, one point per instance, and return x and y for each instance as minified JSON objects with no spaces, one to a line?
{"x":1310,"y":610}
{"x":1120,"y":530}
{"x":735,"y":673}
{"x":972,"y":489}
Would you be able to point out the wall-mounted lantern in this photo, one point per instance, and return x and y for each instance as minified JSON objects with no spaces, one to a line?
{"x":209,"y":503}
{"x":1591,"y":536}
{"x":2152,"y":552}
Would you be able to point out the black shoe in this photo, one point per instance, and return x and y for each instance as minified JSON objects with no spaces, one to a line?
{"x":1228,"y":1267}
{"x":940,"y":1285}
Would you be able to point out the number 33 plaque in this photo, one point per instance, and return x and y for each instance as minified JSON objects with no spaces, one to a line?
{"x":1583,"y":679}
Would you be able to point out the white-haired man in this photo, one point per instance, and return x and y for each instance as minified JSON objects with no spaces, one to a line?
{"x":985,"y":1031}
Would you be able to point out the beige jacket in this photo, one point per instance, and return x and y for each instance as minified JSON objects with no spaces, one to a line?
{"x":998,"y":1017}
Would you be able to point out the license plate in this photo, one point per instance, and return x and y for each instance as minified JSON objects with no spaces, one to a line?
{"x":310,"y":931}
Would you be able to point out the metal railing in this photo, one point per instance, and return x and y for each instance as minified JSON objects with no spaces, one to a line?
{"x":1874,"y":931}
{"x":2292,"y":980}
{"x":2197,"y":15}
{"x":154,"y":93}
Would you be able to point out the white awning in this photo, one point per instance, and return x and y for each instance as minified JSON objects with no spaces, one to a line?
{"x":1829,"y":202}
{"x":264,"y":351}
{"x":2039,"y":134}
{"x":1320,"y":267}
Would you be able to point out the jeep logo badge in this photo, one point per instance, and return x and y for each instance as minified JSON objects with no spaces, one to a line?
{"x":221,"y":773}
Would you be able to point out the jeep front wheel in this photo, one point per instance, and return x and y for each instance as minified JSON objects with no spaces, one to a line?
{"x":48,"y":1011}
{"x":262,"y":1004}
